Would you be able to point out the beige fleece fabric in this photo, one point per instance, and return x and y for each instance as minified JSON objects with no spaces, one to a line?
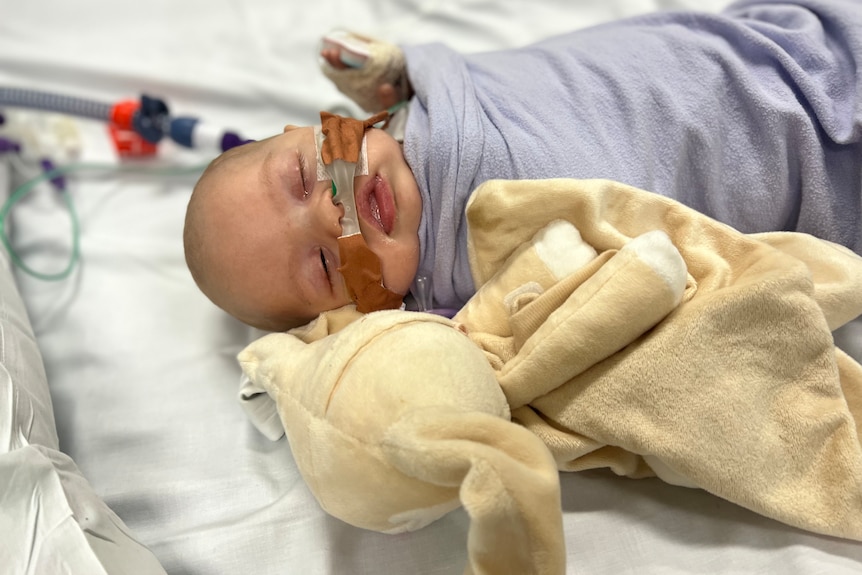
{"x":739,"y":391}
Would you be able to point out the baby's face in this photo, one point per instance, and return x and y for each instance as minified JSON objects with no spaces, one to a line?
{"x":274,"y":228}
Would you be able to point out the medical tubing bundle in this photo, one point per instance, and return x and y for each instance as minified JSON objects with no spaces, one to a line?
{"x":147,"y":121}
{"x":149,"y":117}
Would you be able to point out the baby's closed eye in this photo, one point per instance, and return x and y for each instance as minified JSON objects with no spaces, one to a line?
{"x":323,"y":262}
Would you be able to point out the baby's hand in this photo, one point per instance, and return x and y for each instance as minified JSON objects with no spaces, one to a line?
{"x":333,"y":58}
{"x":370,"y":72}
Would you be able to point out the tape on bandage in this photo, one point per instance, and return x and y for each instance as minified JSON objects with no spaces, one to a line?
{"x":322,"y":171}
{"x":339,"y":138}
{"x":344,"y":138}
{"x":364,"y":278}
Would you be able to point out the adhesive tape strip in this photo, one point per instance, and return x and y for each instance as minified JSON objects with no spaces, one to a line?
{"x":323,"y":171}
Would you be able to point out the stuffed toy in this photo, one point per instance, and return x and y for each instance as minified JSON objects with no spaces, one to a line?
{"x":634,"y":334}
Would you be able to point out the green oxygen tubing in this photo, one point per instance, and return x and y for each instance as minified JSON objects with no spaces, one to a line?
{"x":16,"y":197}
{"x":56,"y":176}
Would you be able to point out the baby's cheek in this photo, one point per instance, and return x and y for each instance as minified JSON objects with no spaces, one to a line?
{"x":400,"y":265}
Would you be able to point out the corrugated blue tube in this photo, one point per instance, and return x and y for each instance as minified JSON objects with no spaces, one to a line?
{"x":49,"y":102}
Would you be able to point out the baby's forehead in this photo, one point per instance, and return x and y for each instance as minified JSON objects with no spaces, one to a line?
{"x":230,"y":166}
{"x":233,"y":167}
{"x":256,"y":150}
{"x":238,"y":155}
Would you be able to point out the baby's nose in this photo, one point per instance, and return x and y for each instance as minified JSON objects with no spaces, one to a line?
{"x":330,"y":215}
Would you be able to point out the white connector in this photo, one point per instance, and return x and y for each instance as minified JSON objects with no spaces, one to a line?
{"x":43,"y":135}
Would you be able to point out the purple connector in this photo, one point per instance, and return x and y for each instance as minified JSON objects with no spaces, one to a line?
{"x":7,"y":145}
{"x":58,"y":181}
{"x":230,"y":140}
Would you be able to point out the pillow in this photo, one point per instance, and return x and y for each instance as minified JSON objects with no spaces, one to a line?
{"x":26,"y":413}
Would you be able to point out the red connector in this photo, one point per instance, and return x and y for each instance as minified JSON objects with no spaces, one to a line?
{"x":127,"y":142}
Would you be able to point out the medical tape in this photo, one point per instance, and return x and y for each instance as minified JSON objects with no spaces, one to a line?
{"x":322,"y":169}
{"x":339,"y":160}
{"x":342,"y":172}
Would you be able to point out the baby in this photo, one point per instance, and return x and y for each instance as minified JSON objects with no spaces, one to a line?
{"x":752,"y":117}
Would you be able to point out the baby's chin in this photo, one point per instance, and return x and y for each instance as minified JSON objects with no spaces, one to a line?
{"x":401,"y":280}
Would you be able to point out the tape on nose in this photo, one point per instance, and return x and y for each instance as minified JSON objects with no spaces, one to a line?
{"x":343,"y":138}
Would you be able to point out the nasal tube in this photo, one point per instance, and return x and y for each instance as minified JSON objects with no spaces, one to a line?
{"x":342,"y":174}
{"x":149,"y":117}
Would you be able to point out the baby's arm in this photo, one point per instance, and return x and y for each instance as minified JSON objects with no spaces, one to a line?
{"x":377,"y":83}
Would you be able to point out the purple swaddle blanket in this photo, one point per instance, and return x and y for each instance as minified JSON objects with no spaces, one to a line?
{"x":752,"y":116}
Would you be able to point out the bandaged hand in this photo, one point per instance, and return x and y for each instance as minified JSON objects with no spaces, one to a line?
{"x":377,"y":83}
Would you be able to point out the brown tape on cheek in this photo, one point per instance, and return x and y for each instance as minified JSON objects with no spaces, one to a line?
{"x":363,"y":275}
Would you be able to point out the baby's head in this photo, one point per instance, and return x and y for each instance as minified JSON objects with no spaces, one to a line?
{"x":261,"y":233}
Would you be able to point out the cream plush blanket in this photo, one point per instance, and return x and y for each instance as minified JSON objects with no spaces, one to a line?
{"x":710,"y":364}
{"x":739,"y":391}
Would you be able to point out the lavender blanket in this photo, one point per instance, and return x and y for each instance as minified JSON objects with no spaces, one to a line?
{"x":753,"y":117}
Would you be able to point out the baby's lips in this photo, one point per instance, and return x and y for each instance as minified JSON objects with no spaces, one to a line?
{"x":376,"y":206}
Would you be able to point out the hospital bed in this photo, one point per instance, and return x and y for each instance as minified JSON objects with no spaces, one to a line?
{"x":141,"y":458}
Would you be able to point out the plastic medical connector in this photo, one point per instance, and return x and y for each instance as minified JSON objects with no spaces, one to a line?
{"x":423,"y":295}
{"x":58,"y":181}
{"x":136,"y":127}
{"x":7,"y":146}
{"x":192,"y":133}
{"x":121,"y":126}
{"x":152,"y":121}
{"x":35,"y":135}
